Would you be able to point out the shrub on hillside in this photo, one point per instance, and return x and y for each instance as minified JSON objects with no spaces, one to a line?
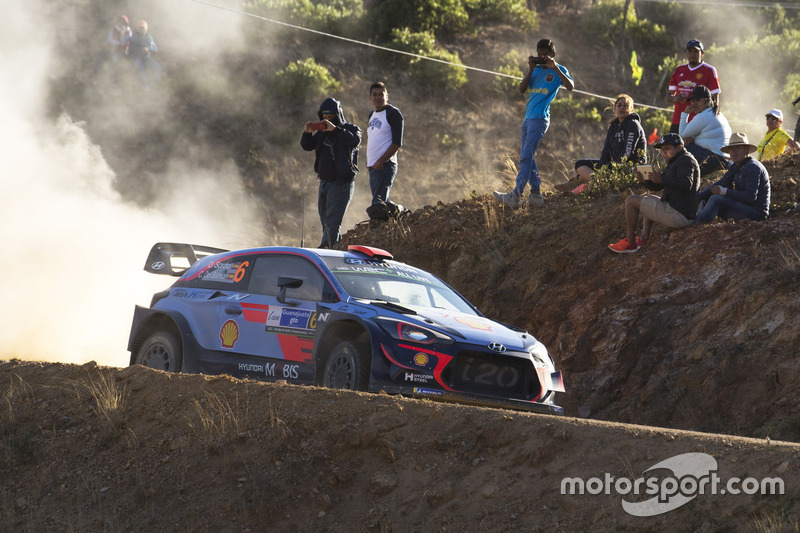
{"x":340,"y":17}
{"x":304,"y":80}
{"x":430,"y":74}
{"x":604,"y":22}
{"x":511,"y":11}
{"x":437,"y":17}
{"x":509,"y":65}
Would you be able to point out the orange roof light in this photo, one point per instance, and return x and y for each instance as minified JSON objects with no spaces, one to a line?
{"x":376,"y":253}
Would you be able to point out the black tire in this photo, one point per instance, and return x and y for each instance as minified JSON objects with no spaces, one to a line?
{"x":348,"y":367}
{"x":160,"y":351}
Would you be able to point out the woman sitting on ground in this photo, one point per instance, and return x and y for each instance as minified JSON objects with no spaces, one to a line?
{"x":705,"y":131}
{"x":625,"y":140}
{"x":776,"y":140}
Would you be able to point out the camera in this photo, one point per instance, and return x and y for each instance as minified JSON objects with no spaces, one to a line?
{"x":536,"y":60}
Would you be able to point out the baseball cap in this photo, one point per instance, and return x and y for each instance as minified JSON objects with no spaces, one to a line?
{"x":694,"y":43}
{"x":700,"y":92}
{"x":777,"y":113}
{"x":669,"y":138}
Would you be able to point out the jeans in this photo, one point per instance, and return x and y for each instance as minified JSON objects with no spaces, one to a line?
{"x":533,"y":130}
{"x":381,"y":181}
{"x":145,"y":63}
{"x":332,"y":202}
{"x":708,"y":160}
{"x":724,"y":207}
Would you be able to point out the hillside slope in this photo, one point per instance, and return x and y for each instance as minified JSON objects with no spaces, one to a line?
{"x":696,"y":331}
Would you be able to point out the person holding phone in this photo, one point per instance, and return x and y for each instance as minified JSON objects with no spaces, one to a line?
{"x":335,"y":144}
{"x":543,"y":80}
{"x":676,"y":208}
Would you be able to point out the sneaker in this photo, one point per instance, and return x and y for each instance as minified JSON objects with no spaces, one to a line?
{"x":535,"y":200}
{"x":639,"y":242}
{"x":511,"y":199}
{"x":623,"y":247}
{"x":580,"y":188}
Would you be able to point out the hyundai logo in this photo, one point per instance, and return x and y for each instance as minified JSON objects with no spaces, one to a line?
{"x":497,"y":347}
{"x":158,"y":265}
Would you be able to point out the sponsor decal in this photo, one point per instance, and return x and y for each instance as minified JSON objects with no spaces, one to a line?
{"x":672,"y":483}
{"x":282,"y":370}
{"x":227,"y":272}
{"x":420,"y":390}
{"x":291,"y":320}
{"x":473,"y":322}
{"x":247,"y":367}
{"x":229,"y":334}
{"x":158,"y":265}
{"x":421,"y":359}
{"x":417,"y":378}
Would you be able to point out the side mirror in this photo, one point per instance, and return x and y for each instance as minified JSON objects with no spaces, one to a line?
{"x":288,"y":283}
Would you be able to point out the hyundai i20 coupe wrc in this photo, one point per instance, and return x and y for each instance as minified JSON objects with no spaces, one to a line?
{"x":352,"y":319}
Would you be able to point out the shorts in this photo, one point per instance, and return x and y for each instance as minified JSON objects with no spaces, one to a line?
{"x":663,"y":213}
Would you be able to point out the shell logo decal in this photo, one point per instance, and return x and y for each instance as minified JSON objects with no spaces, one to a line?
{"x":420,"y":359}
{"x":229,"y":334}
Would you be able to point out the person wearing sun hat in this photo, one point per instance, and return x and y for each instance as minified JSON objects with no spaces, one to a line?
{"x":744,"y":190}
{"x":776,"y":140}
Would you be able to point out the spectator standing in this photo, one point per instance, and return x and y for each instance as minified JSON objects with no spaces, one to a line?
{"x":676,"y":208}
{"x":744,"y":190}
{"x":117,"y":42}
{"x":542,"y":82}
{"x":686,"y":77}
{"x":384,"y":139}
{"x":625,"y":140}
{"x":141,"y":50}
{"x":706,"y":132}
{"x":334,"y":162}
{"x":776,"y":140}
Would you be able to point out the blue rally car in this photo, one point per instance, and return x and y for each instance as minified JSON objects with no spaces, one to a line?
{"x":351,"y":320}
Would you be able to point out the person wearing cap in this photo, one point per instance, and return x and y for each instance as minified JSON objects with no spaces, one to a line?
{"x":744,"y":190}
{"x":686,"y":77}
{"x":543,"y":80}
{"x":707,"y":132}
{"x":335,"y":144}
{"x":776,"y":140}
{"x":679,"y":181}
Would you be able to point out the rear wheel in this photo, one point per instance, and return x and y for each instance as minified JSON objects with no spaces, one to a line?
{"x":348,"y":366}
{"x":160,"y":351}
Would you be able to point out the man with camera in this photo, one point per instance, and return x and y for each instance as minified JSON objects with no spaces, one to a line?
{"x":542,"y":82}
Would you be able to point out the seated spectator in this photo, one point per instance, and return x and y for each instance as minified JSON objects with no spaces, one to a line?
{"x":141,"y":50}
{"x":625,"y":140}
{"x":680,"y":181}
{"x":705,"y":132}
{"x":776,"y":140}
{"x":743,"y":192}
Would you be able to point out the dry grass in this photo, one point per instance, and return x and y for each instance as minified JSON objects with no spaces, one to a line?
{"x":219,"y":421}
{"x":108,"y":401}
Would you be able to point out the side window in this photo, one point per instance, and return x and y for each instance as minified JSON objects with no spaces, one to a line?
{"x":268,"y":268}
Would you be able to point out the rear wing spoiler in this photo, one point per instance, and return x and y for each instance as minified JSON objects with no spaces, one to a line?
{"x":173,"y":259}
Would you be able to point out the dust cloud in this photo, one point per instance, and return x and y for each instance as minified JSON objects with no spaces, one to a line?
{"x":74,"y":248}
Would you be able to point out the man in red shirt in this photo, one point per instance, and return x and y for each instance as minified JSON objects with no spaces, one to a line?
{"x":686,"y":77}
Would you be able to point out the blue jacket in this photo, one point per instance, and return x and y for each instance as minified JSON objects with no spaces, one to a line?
{"x":747,"y":183}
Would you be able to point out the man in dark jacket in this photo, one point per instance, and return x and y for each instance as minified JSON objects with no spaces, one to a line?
{"x":335,"y":143}
{"x":676,"y":208}
{"x":744,"y":190}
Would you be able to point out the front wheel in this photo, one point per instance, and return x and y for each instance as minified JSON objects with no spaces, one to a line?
{"x":348,"y":367}
{"x":160,"y":351}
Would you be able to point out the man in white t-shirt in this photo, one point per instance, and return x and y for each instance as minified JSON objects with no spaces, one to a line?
{"x":384,"y":139}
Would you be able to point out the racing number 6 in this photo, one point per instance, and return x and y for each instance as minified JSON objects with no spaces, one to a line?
{"x":240,"y":272}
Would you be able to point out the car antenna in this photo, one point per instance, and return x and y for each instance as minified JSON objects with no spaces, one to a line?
{"x":302,"y":220}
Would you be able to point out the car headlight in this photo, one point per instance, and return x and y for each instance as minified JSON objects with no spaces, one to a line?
{"x":406,"y":331}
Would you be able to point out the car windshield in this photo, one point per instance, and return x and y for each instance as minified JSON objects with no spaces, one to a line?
{"x":395,"y":282}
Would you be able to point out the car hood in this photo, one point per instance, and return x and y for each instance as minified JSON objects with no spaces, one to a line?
{"x":476,"y":329}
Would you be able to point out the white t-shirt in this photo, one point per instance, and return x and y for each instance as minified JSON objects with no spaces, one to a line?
{"x":384,"y":129}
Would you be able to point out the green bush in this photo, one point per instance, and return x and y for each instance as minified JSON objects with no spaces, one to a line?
{"x":340,"y":17}
{"x":604,"y":22}
{"x":567,"y":108}
{"x":511,"y":11}
{"x":613,"y":178}
{"x":431,"y":74}
{"x":438,"y":17}
{"x":303,"y":80}
{"x":509,"y":65}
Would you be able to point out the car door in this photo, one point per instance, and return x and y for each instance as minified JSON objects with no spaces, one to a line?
{"x":278,"y":326}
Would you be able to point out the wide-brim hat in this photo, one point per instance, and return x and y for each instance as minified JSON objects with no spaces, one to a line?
{"x":739,"y":139}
